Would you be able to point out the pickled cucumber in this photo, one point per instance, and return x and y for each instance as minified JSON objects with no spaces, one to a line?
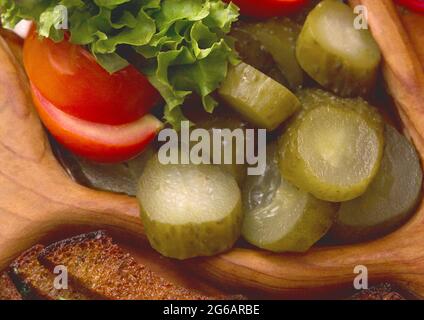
{"x":390,"y":199}
{"x":278,"y":216}
{"x":137,"y":165}
{"x":312,"y":98}
{"x":333,"y":152}
{"x":300,"y":17}
{"x":118,"y":177}
{"x":252,"y":52}
{"x":189,"y":210}
{"x":218,"y":123}
{"x":334,"y":53}
{"x":258,"y":98}
{"x":278,"y":37}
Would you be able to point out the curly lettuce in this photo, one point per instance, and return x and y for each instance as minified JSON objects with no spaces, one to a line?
{"x":184,"y":43}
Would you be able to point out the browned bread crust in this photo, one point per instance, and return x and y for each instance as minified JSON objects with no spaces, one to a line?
{"x":8,"y":290}
{"x":381,"y":292}
{"x":38,"y":280}
{"x":95,"y":263}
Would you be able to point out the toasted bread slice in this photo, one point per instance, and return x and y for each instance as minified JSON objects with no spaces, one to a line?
{"x":37,"y":280}
{"x":95,"y":263}
{"x":8,"y":290}
{"x":381,"y":292}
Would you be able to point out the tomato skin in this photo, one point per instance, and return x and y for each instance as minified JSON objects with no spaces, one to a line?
{"x":263,"y":9}
{"x":70,"y":78}
{"x":98,"y":142}
{"x":415,"y":5}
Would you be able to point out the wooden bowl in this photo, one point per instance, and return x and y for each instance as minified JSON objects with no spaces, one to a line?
{"x":39,"y":202}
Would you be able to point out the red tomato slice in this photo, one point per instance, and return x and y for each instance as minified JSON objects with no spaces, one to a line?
{"x":69,"y":77}
{"x":95,"y":141}
{"x":415,"y":5}
{"x":269,"y":8}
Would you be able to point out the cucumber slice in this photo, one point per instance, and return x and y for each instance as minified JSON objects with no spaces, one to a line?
{"x":118,"y":177}
{"x":391,"y":198}
{"x":278,"y":216}
{"x":258,"y":98}
{"x":253,"y":53}
{"x":278,"y":37}
{"x":312,"y":98}
{"x":189,"y":210}
{"x":137,"y":165}
{"x":219,"y":123}
{"x":333,"y":152}
{"x":301,"y":16}
{"x":334,"y":53}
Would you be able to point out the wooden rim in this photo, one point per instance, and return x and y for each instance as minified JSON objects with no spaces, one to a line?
{"x":38,"y":198}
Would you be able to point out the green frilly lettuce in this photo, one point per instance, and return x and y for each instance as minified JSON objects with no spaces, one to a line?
{"x":184,"y":42}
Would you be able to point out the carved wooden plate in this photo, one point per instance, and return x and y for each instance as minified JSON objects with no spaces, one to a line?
{"x":39,"y":202}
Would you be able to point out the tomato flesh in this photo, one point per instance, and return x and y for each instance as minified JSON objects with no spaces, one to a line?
{"x":269,"y":8}
{"x":415,"y":5}
{"x":69,"y":77}
{"x":98,"y":142}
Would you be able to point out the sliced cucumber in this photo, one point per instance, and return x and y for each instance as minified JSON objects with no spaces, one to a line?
{"x":118,"y":177}
{"x":258,"y":98}
{"x":189,"y":210}
{"x":333,"y":152}
{"x":312,"y":98}
{"x":278,"y":216}
{"x":391,"y":198}
{"x":252,"y":52}
{"x":137,"y":165}
{"x":336,"y":54}
{"x":278,"y":37}
{"x":301,"y":16}
{"x":218,"y":124}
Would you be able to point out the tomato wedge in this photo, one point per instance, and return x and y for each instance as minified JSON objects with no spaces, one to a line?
{"x":269,"y":8}
{"x":70,"y":78}
{"x":415,"y":5}
{"x":98,"y":142}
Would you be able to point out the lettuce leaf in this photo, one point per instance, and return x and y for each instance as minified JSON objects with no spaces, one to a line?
{"x":183,"y":43}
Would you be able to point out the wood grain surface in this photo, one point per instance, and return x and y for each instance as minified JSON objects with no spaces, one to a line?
{"x":38,"y":201}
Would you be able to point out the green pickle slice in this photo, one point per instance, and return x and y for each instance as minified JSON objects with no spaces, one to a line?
{"x":334,"y":53}
{"x":311,"y":98}
{"x":280,"y":217}
{"x":189,"y":210}
{"x":278,"y":37}
{"x":333,"y":150}
{"x":259,"y":99}
{"x":230,"y":123}
{"x":252,"y":52}
{"x":391,"y":198}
